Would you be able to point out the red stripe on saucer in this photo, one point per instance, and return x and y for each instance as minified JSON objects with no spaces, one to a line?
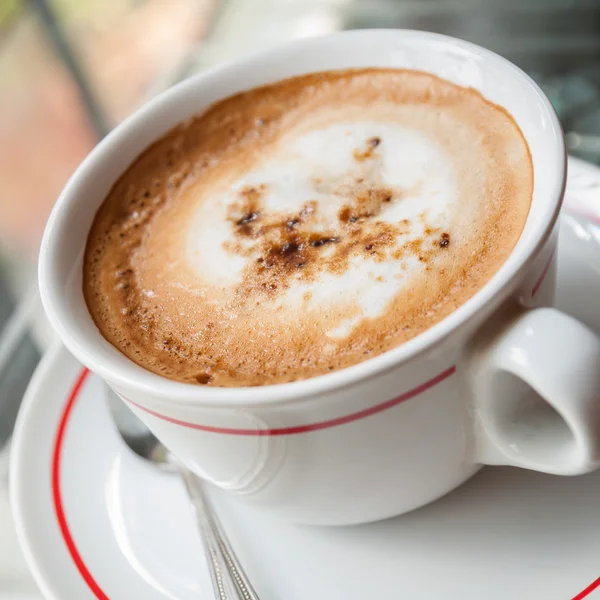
{"x":588,"y":590}
{"x":59,"y":507}
{"x":57,"y":495}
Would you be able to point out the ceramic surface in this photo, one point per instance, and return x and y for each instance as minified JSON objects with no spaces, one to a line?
{"x":411,"y":424}
{"x":96,"y":522}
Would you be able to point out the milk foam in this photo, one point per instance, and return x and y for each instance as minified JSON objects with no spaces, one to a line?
{"x":303,"y":227}
{"x":310,"y":166}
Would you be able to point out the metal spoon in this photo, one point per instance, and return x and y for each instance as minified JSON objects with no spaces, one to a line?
{"x":225,"y":569}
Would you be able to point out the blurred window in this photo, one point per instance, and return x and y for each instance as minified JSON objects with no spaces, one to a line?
{"x":69,"y":71}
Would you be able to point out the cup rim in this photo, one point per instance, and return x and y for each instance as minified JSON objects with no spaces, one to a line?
{"x":124,"y":372}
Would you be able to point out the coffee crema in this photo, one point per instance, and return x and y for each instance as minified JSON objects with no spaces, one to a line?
{"x":305,"y":226}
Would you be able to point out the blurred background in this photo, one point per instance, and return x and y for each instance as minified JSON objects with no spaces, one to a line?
{"x":70,"y":70}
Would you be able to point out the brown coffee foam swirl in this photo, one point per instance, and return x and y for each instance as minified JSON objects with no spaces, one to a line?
{"x":149,"y":302}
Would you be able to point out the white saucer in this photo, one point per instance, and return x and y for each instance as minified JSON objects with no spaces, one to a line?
{"x":96,"y":522}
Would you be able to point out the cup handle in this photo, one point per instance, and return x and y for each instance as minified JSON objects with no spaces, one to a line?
{"x":536,"y":385}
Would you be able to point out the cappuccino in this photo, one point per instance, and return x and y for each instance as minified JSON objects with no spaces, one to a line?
{"x":305,"y":226}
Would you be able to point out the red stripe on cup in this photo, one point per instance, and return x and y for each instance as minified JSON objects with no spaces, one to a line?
{"x":543,"y":274}
{"x":295,"y":429}
{"x":63,"y":524}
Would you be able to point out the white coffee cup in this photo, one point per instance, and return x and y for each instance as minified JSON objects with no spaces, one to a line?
{"x":499,"y":381}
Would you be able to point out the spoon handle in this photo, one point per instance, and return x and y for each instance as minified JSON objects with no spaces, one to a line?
{"x":239,"y":576}
{"x":219,"y":574}
{"x":224,"y":564}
